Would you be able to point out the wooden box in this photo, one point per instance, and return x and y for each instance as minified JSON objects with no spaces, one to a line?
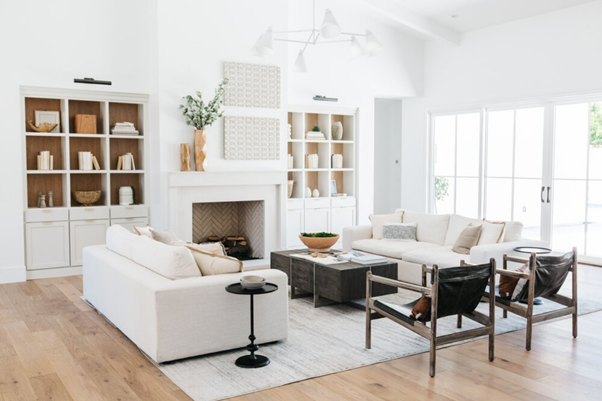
{"x":85,"y":124}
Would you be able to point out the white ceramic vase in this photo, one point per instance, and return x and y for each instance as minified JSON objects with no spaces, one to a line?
{"x":337,"y":131}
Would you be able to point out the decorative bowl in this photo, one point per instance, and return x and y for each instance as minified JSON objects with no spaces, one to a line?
{"x":319,"y":244}
{"x":87,"y":198}
{"x":252,"y":282}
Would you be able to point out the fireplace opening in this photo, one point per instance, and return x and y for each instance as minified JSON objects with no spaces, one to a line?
{"x":239,"y":226}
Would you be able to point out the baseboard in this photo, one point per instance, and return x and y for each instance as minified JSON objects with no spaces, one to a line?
{"x":50,"y":273}
{"x":12,"y":274}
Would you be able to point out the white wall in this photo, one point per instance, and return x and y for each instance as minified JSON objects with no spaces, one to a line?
{"x":48,"y":44}
{"x":548,"y":55}
{"x":387,"y":155}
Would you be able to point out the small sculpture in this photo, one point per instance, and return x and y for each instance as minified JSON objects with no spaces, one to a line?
{"x":337,"y":131}
{"x":43,"y":201}
{"x":39,"y":198}
{"x":43,"y":127}
{"x":308,"y":192}
{"x":316,"y":193}
{"x":50,"y":200}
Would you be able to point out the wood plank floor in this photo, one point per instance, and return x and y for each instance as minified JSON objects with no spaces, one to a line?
{"x":54,"y":347}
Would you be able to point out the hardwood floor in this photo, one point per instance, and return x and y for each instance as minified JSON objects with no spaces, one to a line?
{"x":55,"y":347}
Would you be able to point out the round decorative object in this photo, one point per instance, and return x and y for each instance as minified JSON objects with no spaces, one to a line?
{"x":308,"y":192}
{"x":126,"y":196}
{"x":316,"y":193}
{"x":87,"y":198}
{"x":532,"y":249}
{"x":337,"y":131}
{"x":289,"y":188}
{"x":252,"y":282}
{"x":319,"y":244}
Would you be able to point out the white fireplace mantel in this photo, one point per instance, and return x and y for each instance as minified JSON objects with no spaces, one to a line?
{"x":196,"y":179}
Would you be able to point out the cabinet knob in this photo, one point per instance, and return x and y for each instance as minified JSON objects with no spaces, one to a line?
{"x":47,"y":223}
{"x":46,"y":210}
{"x":90,"y":221}
{"x":129,"y":207}
{"x":129,"y":218}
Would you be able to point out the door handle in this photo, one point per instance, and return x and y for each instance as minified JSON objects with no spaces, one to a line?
{"x":542,"y":189}
{"x":548,"y":198}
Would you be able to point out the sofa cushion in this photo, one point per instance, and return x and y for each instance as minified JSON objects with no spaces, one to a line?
{"x":120,"y":240}
{"x":173,"y":262}
{"x":166,"y":236}
{"x":467,"y":239}
{"x":378,"y":220}
{"x":440,"y":256}
{"x":211,"y":264}
{"x":144,"y":231}
{"x":429,"y":227}
{"x":215,"y":248}
{"x":457,"y":223}
{"x":390,"y":249}
{"x":513,"y":231}
{"x":492,"y":232}
{"x":399,"y":231}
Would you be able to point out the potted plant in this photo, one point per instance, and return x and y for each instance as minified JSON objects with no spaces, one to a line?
{"x":200,"y":115}
{"x":319,"y":242}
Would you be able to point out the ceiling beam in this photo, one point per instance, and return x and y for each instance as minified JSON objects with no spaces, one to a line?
{"x":392,"y":10}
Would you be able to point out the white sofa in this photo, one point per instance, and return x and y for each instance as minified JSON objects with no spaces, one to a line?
{"x":174,"y":319}
{"x":435,"y":236}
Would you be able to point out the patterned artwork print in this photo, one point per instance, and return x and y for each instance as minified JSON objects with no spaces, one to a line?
{"x":252,"y":85}
{"x":251,"y":138}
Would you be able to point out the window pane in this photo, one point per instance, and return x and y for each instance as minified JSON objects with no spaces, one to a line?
{"x":594,"y":219}
{"x":469,"y":127}
{"x":445,"y":138}
{"x":569,"y":215}
{"x":467,"y":198}
{"x":499,"y":199}
{"x":529,"y":143}
{"x":595,"y":144}
{"x":571,"y":141}
{"x":444,"y":195}
{"x":500,"y":129}
{"x":527,"y":206}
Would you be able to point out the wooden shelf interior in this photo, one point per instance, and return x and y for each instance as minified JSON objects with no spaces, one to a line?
{"x":127,"y":180}
{"x":32,"y":104}
{"x":348,"y":126}
{"x":345,"y":149}
{"x":344,"y":181}
{"x":126,"y":112}
{"x":296,"y":149}
{"x":85,"y":144}
{"x":45,"y":183}
{"x":35,"y":144}
{"x":121,"y":146}
{"x":321,"y":149}
{"x":298,"y":187}
{"x":319,"y":180}
{"x":86,"y":107}
{"x":89,"y":182}
{"x":298,"y":126}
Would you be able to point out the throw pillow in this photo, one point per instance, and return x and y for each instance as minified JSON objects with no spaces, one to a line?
{"x":467,"y":239}
{"x":378,"y":220}
{"x":166,"y":236}
{"x":508,"y":284}
{"x":215,"y":248}
{"x":144,"y":231}
{"x":492,"y":233}
{"x":421,"y":307}
{"x":399,"y":231}
{"x":210,"y":264}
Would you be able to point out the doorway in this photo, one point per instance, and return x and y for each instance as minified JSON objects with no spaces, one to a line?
{"x":387,"y":155}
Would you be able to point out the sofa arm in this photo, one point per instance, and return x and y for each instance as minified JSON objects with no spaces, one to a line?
{"x":482,"y":253}
{"x":354,"y":233}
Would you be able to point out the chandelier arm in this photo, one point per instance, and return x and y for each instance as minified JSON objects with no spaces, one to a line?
{"x":352,"y":34}
{"x":290,"y":40}
{"x":325,"y":42}
{"x":295,"y":31}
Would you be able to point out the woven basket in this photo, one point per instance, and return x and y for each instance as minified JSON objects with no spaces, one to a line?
{"x":87,"y":198}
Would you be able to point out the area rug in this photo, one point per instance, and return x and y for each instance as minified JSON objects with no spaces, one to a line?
{"x":321,"y":341}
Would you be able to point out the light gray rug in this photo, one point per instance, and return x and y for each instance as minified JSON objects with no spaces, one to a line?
{"x":321,"y":341}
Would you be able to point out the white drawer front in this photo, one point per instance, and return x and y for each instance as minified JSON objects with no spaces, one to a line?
{"x":47,"y":245}
{"x":123,"y":212}
{"x":317,"y":203}
{"x":87,"y":213}
{"x":343,"y":202}
{"x":46,"y":214}
{"x":130,"y":222}
{"x":86,"y":233}
{"x":294,"y":204}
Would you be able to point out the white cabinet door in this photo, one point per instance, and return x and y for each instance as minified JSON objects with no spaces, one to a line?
{"x":317,"y":220}
{"x":85,"y":233}
{"x":341,"y":217}
{"x":130,"y":222}
{"x":294,"y":227}
{"x":47,"y":245}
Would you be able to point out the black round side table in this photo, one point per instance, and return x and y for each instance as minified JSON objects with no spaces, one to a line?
{"x":252,"y":360}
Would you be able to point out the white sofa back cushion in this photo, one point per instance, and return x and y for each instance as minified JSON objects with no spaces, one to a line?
{"x":378,"y":220}
{"x":173,"y":262}
{"x":429,"y":227}
{"x":514,"y":231}
{"x":457,"y":223}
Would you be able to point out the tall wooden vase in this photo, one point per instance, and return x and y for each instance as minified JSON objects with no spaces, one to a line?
{"x":200,"y":150}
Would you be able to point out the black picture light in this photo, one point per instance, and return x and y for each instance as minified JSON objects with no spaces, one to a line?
{"x":91,"y":81}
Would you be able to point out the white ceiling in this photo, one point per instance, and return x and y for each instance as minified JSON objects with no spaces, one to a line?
{"x":477,"y":14}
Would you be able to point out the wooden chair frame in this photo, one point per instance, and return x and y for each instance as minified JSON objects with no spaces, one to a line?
{"x":527,"y":311}
{"x":430,"y":333}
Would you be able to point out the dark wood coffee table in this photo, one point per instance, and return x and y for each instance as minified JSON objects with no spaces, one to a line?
{"x":333,"y":283}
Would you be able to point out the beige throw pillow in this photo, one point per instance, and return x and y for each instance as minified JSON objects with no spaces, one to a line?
{"x":215,"y":248}
{"x":166,"y":236}
{"x":467,"y":239}
{"x":210,"y":264}
{"x":378,"y":221}
{"x":144,"y":231}
{"x":492,"y":233}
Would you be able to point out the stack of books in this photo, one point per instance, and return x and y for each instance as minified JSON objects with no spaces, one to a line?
{"x":124,"y":128}
{"x":45,"y":160}
{"x":362,"y":258}
{"x":290,"y":162}
{"x":87,"y":161}
{"x":315,"y":135}
{"x":337,"y":161}
{"x":126,"y":162}
{"x":290,"y":131}
{"x":311,"y":161}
